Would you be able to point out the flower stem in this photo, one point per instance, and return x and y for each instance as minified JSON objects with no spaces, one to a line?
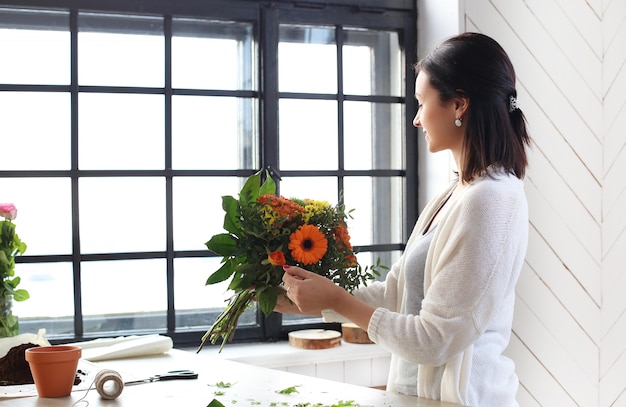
{"x":226,"y":323}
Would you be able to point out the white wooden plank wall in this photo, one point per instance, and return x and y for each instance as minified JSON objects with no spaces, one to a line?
{"x":569,"y":340}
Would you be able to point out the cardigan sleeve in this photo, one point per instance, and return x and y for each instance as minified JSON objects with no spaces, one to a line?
{"x":377,"y":294}
{"x":472,"y":263}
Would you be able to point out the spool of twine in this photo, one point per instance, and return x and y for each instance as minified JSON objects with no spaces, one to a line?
{"x":108,"y":383}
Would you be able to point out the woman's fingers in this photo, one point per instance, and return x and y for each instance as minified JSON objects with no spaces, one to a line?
{"x":294,"y":274}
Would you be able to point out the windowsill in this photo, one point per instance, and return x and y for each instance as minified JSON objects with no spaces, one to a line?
{"x":280,"y":354}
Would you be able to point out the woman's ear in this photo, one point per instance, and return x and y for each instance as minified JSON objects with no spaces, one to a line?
{"x":461,"y":105}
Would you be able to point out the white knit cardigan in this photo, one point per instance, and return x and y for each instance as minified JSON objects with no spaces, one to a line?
{"x":472,"y":266}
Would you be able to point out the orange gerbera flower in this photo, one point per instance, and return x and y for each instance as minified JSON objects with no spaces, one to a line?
{"x":307,"y":244}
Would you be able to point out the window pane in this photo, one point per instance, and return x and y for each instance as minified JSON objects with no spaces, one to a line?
{"x":26,"y":47}
{"x":51,"y":302}
{"x":120,"y":50}
{"x":307,"y":59}
{"x":124,"y":295}
{"x":197,"y":304}
{"x":44,"y":217}
{"x":308,"y":134}
{"x":377,"y":204}
{"x":120,"y":131}
{"x":201,"y":123}
{"x":294,"y":319}
{"x":385,"y":258}
{"x":359,"y":198}
{"x":35,"y":126}
{"x":198,"y":212}
{"x":121,"y":215}
{"x":380,"y":52}
{"x":318,"y":188}
{"x":212,"y":55}
{"x":373,"y":136}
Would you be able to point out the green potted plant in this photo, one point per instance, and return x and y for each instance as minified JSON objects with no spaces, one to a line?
{"x":10,"y":246}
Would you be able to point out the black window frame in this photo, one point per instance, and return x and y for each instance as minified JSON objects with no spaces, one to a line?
{"x":266,"y":16}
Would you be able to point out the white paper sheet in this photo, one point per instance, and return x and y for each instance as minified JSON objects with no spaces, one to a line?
{"x":124,"y":347}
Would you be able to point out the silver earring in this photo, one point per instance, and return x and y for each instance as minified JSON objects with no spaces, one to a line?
{"x":458,"y":122}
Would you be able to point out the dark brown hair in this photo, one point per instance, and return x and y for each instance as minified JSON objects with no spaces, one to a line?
{"x":475,"y":66}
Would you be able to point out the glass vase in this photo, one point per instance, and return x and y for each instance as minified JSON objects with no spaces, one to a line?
{"x":9,"y":323}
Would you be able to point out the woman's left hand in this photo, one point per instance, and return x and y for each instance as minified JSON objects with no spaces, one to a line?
{"x":284,"y":305}
{"x":310,"y":292}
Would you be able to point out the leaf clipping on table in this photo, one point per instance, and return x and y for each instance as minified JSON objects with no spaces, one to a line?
{"x":215,"y":403}
{"x":288,"y":390}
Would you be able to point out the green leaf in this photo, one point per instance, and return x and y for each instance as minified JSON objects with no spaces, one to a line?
{"x":241,"y":281}
{"x":288,"y":390}
{"x":232,"y":223}
{"x":250,"y":190}
{"x":21,"y":295}
{"x":267,"y":298}
{"x":19,"y":245}
{"x":3,"y":259}
{"x":269,"y":186}
{"x":223,"y":244}
{"x":221,"y":274}
{"x":14,"y":282}
{"x":215,"y":403}
{"x":223,"y":385}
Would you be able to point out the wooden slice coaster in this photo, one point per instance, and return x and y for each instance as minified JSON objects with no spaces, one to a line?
{"x":352,"y":333}
{"x":315,"y":339}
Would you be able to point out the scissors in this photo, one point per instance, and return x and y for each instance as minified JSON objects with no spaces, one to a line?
{"x":171,"y":375}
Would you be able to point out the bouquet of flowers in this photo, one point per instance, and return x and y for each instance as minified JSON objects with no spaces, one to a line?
{"x":265,"y":232}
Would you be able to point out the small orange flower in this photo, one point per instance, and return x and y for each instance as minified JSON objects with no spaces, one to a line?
{"x":307,"y":244}
{"x":352,"y":261}
{"x":277,"y":259}
{"x":342,"y":236}
{"x":281,"y":205}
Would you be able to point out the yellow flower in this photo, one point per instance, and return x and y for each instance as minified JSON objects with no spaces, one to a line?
{"x":314,"y":207}
{"x":276,"y":210}
{"x":307,"y":244}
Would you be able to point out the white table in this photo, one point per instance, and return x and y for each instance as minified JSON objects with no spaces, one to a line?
{"x":250,"y":386}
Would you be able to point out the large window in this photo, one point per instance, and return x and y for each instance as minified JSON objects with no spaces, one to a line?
{"x":123,"y":127}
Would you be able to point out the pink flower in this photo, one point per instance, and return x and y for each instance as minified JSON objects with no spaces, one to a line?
{"x":8,"y":211}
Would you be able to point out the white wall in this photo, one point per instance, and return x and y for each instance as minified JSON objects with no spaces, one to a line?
{"x":569,"y":339}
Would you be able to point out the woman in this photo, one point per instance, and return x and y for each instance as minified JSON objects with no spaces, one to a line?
{"x":445,"y":309}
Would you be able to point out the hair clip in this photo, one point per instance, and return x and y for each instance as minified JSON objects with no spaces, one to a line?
{"x":513,"y":103}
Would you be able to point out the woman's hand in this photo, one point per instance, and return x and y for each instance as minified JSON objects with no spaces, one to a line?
{"x":284,"y":305}
{"x":310,"y":292}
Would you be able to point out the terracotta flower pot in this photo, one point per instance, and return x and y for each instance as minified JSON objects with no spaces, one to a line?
{"x":53,"y":368}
